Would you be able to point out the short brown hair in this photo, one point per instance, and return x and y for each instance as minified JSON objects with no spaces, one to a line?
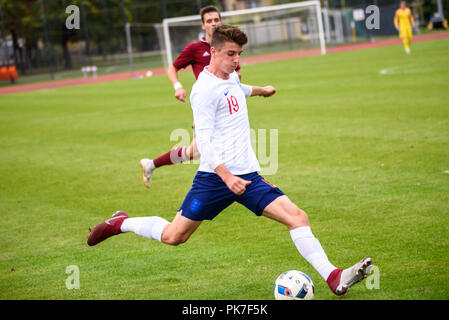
{"x":228,"y":33}
{"x":208,"y":9}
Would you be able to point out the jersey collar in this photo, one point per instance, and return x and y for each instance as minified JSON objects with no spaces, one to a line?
{"x":203,"y":39}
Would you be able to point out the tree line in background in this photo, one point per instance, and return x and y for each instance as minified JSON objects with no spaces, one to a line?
{"x":38,"y":31}
{"x":31,"y":23}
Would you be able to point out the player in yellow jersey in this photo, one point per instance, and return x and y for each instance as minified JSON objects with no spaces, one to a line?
{"x":403,"y":21}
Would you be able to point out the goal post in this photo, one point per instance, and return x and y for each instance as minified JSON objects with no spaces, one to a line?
{"x":281,"y":27}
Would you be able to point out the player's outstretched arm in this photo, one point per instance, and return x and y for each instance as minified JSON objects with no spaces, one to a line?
{"x":412,"y":20}
{"x":266,"y":91}
{"x":180,"y":93}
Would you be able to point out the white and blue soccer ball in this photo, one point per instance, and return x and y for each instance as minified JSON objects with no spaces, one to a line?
{"x":293,"y":285}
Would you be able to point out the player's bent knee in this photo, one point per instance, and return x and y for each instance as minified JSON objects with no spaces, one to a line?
{"x":299,"y":218}
{"x":296,"y":218}
{"x":174,"y":240}
{"x":174,"y":237}
{"x":180,"y":230}
{"x":287,"y":213}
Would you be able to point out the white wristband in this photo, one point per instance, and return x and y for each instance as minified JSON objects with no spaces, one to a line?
{"x":177,"y":85}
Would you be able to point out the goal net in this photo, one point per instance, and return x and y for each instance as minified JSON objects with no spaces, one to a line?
{"x":270,"y":29}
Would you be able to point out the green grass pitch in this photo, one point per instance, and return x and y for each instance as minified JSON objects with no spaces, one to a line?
{"x":363,"y":145}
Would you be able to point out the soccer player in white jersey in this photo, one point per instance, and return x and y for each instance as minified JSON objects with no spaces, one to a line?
{"x":228,"y":170}
{"x":196,"y":55}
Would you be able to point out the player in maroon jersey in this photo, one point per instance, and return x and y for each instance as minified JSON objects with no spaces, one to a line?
{"x":196,"y":55}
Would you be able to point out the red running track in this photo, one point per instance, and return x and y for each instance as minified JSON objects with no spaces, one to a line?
{"x":249,"y":60}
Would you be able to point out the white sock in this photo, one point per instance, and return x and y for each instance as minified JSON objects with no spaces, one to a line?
{"x":310,"y":248}
{"x":149,"y":227}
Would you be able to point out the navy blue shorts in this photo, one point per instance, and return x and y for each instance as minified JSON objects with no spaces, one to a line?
{"x":209,"y":196}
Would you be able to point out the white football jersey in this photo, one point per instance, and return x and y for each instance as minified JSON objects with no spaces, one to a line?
{"x":221,"y":123}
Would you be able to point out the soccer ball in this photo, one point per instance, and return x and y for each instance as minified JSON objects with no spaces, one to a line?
{"x":293,"y":285}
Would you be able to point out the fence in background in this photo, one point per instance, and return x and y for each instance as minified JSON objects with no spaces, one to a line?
{"x":51,"y":50}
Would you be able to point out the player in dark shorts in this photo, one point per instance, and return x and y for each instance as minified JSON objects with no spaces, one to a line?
{"x":228,"y":170}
